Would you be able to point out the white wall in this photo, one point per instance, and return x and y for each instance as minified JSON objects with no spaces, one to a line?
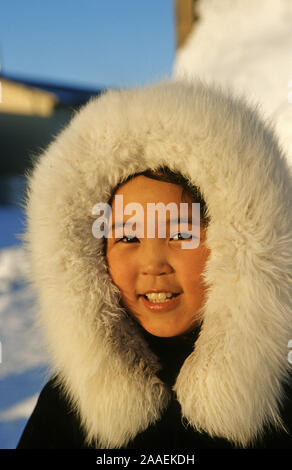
{"x":245,"y":44}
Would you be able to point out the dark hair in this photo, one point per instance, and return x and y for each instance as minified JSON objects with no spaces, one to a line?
{"x":164,"y":174}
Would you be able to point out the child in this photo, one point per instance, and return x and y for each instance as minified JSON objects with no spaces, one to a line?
{"x":176,"y":339}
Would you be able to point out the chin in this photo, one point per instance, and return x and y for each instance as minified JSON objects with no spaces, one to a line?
{"x":164,"y":332}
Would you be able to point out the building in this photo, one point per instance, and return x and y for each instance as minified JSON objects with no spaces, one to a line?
{"x":31,"y":114}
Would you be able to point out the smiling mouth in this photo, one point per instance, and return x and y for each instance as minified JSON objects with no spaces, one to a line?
{"x":160,"y":301}
{"x":159,"y":297}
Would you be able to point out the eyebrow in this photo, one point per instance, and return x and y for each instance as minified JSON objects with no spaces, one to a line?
{"x":188,"y":220}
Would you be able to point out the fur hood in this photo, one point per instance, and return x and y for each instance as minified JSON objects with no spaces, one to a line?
{"x":231,"y":384}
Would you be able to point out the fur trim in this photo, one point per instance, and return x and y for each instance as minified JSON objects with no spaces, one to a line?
{"x":231,"y":385}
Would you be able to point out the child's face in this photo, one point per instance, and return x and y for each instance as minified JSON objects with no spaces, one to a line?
{"x":157,"y":264}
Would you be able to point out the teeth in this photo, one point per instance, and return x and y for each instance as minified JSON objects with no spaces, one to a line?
{"x":159,"y":296}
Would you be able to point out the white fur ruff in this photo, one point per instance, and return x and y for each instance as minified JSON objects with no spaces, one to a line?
{"x":230,"y":386}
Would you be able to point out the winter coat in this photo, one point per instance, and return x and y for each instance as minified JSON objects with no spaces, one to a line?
{"x":114,"y":385}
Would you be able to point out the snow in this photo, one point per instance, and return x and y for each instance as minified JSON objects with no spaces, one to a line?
{"x":245,"y":45}
{"x":20,"y":410}
{"x":23,"y":362}
{"x":20,"y":338}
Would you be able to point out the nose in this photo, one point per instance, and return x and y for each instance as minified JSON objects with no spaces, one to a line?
{"x":154,"y":259}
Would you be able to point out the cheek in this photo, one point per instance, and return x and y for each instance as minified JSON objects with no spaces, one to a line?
{"x":122,"y":273}
{"x":190,"y":270}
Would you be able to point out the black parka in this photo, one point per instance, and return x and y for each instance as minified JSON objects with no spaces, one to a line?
{"x":54,"y":425}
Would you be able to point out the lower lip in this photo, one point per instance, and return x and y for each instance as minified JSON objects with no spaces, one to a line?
{"x":160,"y":306}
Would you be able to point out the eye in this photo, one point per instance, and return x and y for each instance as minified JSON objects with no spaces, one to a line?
{"x":127,"y":239}
{"x":181,"y":236}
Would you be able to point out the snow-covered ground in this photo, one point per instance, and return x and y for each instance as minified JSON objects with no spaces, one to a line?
{"x":246,"y":45}
{"x":23,"y":361}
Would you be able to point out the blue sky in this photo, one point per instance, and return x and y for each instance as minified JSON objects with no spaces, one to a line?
{"x":88,"y":42}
